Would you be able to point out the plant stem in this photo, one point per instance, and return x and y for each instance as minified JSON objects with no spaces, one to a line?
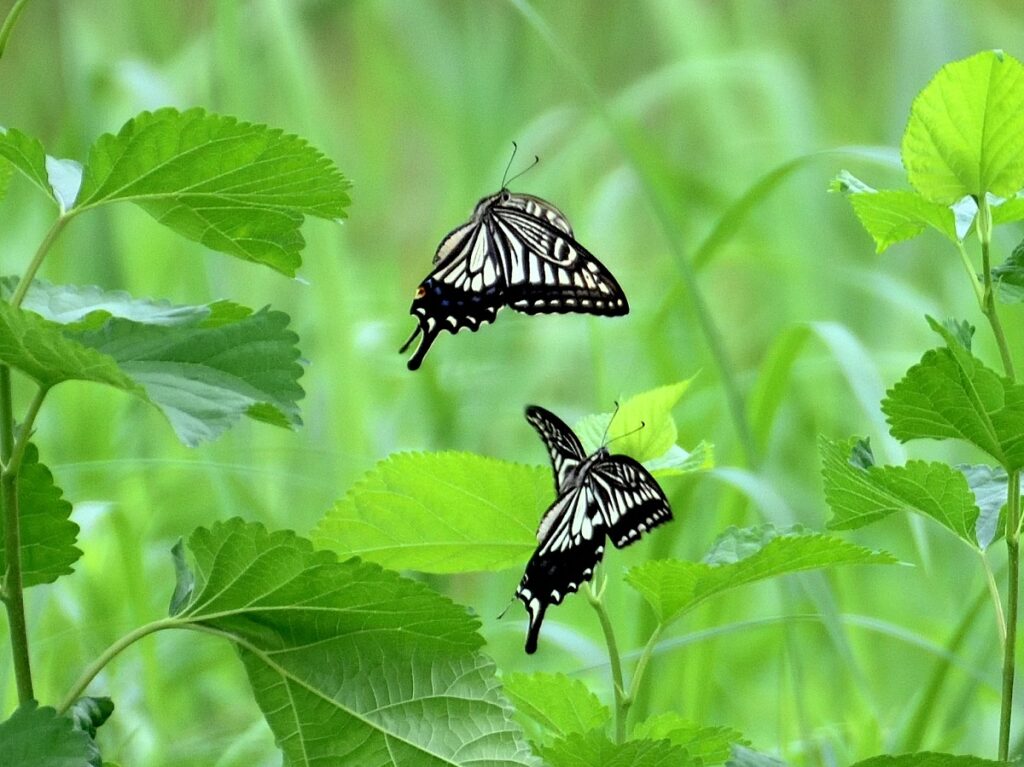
{"x":993,"y":590}
{"x":9,"y":22}
{"x":971,"y":275}
{"x":37,"y":259}
{"x":13,"y":591}
{"x":619,"y":689}
{"x":13,"y":464}
{"x":109,"y":654}
{"x":984,"y":223}
{"x":641,"y":664}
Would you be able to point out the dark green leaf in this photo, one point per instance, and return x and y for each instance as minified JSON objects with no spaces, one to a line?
{"x":89,"y":714}
{"x":950,"y":394}
{"x":38,"y":737}
{"x":860,"y":493}
{"x":440,"y":513}
{"x":47,"y":534}
{"x":594,"y":748}
{"x":349,"y":660}
{"x":235,"y":187}
{"x":927,"y":759}
{"x":704,"y":745}
{"x":674,"y":587}
{"x":554,"y":705}
{"x":965,"y":135}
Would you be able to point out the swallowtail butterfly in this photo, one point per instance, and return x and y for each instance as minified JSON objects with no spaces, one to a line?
{"x":516,"y":250}
{"x":598,"y":496}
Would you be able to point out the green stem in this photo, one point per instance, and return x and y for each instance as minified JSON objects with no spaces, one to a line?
{"x":621,"y":704}
{"x":984,"y":224}
{"x":13,"y":589}
{"x":13,"y":465}
{"x":9,"y":22}
{"x":37,"y":259}
{"x":109,"y":654}
{"x":993,"y":591}
{"x":971,"y":275}
{"x":641,"y":664}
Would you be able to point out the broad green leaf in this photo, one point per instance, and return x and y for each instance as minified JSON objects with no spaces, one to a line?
{"x":554,"y":704}
{"x":643,"y":427}
{"x":748,"y":757}
{"x":859,"y":492}
{"x":704,"y":745}
{"x":965,"y":135}
{"x":27,"y":155}
{"x":1007,"y":211}
{"x":235,"y":187}
{"x":892,"y":216}
{"x":39,"y":737}
{"x":927,"y":759}
{"x":48,"y":536}
{"x":349,"y":661}
{"x":1009,"y":277}
{"x":950,"y":394}
{"x":440,"y":513}
{"x":674,"y":587}
{"x":594,"y":748}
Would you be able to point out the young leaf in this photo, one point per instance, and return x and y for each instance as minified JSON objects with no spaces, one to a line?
{"x":965,"y":135}
{"x":704,"y":745}
{"x":594,"y":748}
{"x":235,"y":187}
{"x":861,"y":493}
{"x":952,"y":394}
{"x":674,"y":587}
{"x":927,"y":759}
{"x":47,"y":534}
{"x":892,"y":216}
{"x":349,"y":660}
{"x":558,"y":704}
{"x":39,"y":737}
{"x":440,"y":513}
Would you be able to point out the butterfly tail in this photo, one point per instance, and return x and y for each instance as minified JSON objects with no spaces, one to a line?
{"x":536,"y":609}
{"x":429,"y":331}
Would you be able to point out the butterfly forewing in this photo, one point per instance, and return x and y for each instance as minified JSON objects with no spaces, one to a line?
{"x":563,"y":445}
{"x":630,"y":500}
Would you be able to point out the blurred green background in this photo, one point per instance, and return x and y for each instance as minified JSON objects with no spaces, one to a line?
{"x":652,"y":119}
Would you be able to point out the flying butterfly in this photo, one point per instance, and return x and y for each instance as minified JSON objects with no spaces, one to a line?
{"x":598,"y":496}
{"x":516,"y":250}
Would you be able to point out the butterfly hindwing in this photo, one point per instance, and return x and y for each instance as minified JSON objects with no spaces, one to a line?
{"x":630,"y":500}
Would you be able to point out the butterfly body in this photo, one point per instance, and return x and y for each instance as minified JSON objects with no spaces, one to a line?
{"x":600,"y":496}
{"x":516,"y":250}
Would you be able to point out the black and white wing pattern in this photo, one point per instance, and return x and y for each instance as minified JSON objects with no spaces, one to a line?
{"x":517,"y":250}
{"x":599,"y":496}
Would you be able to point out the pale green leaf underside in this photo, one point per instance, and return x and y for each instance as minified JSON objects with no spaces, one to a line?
{"x":351,"y":664}
{"x":673,"y":587}
{"x":950,"y":394}
{"x":38,"y":737}
{"x":48,"y":535}
{"x":704,"y":745}
{"x":859,"y":496}
{"x":440,"y":513}
{"x":595,"y":748}
{"x":965,"y":135}
{"x":235,"y":187}
{"x":554,"y":705}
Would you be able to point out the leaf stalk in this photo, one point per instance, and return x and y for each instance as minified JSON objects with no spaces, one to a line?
{"x":622,"y":702}
{"x":37,"y":260}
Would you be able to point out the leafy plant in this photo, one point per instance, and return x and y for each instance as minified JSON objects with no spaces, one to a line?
{"x":963,"y":150}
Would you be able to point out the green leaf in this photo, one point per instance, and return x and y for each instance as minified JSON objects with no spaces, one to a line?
{"x":741,"y":556}
{"x":184,"y":580}
{"x":39,"y":737}
{"x":349,"y":660}
{"x":965,"y":135}
{"x":892,"y":216}
{"x":927,"y":759}
{"x":235,"y":187}
{"x":677,"y":461}
{"x":950,"y":394}
{"x":704,"y":745}
{"x":48,"y":535}
{"x":1006,"y":211}
{"x":859,"y":493}
{"x":643,"y":427}
{"x":1009,"y":277}
{"x":88,"y":714}
{"x":594,"y":748}
{"x":558,"y":704}
{"x":26,"y":154}
{"x":440,"y":513}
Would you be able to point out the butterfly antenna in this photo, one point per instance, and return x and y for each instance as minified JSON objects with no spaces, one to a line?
{"x":515,"y":148}
{"x":407,"y":344}
{"x":536,"y":160}
{"x":621,"y":436}
{"x":615,"y":412}
{"x":502,"y":614}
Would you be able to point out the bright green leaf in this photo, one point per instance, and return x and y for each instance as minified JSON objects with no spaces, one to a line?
{"x":349,"y":661}
{"x":440,"y":513}
{"x":47,"y":534}
{"x":927,"y":759}
{"x":674,"y":587}
{"x":950,"y":394}
{"x":554,"y":704}
{"x":965,"y":135}
{"x":39,"y":737}
{"x":594,"y":748}
{"x":1007,"y":211}
{"x":27,"y":155}
{"x":704,"y":745}
{"x":860,"y":493}
{"x":235,"y":187}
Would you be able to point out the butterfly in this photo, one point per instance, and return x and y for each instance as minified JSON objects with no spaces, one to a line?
{"x":516,"y":250}
{"x":598,"y":496}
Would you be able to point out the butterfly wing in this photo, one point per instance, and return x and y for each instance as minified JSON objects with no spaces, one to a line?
{"x":629,"y":499}
{"x":563,"y":445}
{"x":570,"y":548}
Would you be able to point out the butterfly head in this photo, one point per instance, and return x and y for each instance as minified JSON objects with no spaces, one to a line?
{"x":498,"y":198}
